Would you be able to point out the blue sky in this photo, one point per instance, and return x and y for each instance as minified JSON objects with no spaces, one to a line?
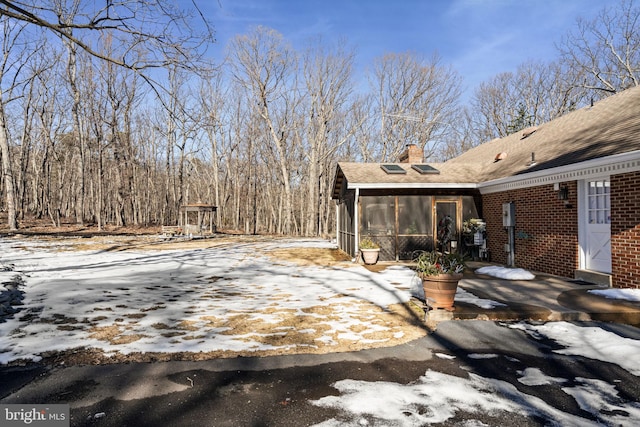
{"x":479,"y":38}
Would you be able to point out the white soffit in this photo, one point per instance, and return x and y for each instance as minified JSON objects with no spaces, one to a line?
{"x":410,"y":185}
{"x":611,"y":165}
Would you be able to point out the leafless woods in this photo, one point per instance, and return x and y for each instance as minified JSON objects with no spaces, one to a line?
{"x":111,"y":113}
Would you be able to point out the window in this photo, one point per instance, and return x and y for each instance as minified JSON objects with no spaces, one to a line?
{"x":378,"y":215}
{"x":414,"y":215}
{"x":598,"y":202}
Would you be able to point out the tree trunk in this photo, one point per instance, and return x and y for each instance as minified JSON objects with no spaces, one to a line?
{"x":7,"y":173}
{"x":77,"y":126}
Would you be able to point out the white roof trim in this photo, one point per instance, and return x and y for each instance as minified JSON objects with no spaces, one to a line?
{"x":610,"y":165}
{"x":409,"y":185}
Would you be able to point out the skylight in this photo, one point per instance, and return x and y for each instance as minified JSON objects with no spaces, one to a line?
{"x":425,"y":169}
{"x":391,"y":168}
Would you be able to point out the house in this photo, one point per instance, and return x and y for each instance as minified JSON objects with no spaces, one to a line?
{"x":571,"y":186}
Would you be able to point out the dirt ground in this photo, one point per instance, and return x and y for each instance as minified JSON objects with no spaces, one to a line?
{"x":401,"y":321}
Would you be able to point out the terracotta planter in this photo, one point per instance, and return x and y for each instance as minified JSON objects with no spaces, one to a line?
{"x":370,"y":256}
{"x":440,"y":290}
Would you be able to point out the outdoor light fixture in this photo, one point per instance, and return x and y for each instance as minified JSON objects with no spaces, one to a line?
{"x":563,"y":193}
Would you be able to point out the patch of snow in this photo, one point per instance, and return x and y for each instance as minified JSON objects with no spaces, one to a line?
{"x":624,"y":294}
{"x":588,"y":341}
{"x":445,"y":356}
{"x":468,"y":297}
{"x":506,"y":273}
{"x":534,"y":376}
{"x":598,"y":397}
{"x":482,"y":356}
{"x":435,"y":398}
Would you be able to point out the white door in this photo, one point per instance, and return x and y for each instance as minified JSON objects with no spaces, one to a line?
{"x":598,"y":228}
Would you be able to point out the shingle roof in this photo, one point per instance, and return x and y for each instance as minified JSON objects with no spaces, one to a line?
{"x":372,"y":175}
{"x":611,"y":126}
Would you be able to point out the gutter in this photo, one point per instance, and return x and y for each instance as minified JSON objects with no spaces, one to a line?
{"x":412,"y":185}
{"x":611,"y":165}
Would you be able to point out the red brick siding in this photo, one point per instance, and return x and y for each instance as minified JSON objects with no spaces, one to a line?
{"x":546,"y":230}
{"x":625,"y":230}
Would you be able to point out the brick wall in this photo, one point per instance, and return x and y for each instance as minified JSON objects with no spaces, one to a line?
{"x":625,"y":230}
{"x":546,"y":230}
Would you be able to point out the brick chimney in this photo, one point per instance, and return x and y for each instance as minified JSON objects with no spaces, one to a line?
{"x":413,"y":154}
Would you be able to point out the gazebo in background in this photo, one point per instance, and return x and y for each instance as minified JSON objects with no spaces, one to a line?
{"x":200,"y":213}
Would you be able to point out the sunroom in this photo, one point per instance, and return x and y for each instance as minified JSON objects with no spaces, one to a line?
{"x":406,"y":207}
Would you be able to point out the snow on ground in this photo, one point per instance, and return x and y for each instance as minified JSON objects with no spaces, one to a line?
{"x":434,"y":398}
{"x":183,"y":300}
{"x":231,"y":298}
{"x":623,"y":294}
{"x":437,"y":397}
{"x":464,"y":296}
{"x":589,"y":341}
{"x":534,"y":376}
{"x":482,"y":356}
{"x":506,"y":273}
{"x":599,"y":397}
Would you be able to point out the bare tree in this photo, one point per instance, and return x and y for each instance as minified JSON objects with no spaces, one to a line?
{"x":48,"y":109}
{"x":415,"y":98}
{"x":121,"y":95}
{"x":363,"y":145}
{"x":462,"y":136}
{"x":181,"y":127}
{"x":212,"y":101}
{"x":149,"y":34}
{"x":534,"y":94}
{"x":65,"y":14}
{"x":97,"y":113}
{"x":10,"y":63}
{"x":7,"y":174}
{"x":266,"y":66}
{"x":327,"y":75}
{"x":145,"y":35}
{"x":605,"y":51}
{"x":494,"y":104}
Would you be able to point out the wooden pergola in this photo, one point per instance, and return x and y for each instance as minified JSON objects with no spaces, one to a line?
{"x":202,"y":211}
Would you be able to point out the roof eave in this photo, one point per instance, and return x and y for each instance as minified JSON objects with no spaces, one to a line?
{"x":609,"y":165}
{"x":410,"y":185}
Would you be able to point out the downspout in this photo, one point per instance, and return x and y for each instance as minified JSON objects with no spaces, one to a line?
{"x":356,"y":224}
{"x":338,"y":224}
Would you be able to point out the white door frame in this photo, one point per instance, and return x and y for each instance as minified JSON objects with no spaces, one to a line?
{"x":583,"y":220}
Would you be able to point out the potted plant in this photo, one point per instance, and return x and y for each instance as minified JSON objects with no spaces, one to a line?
{"x":370,"y":250}
{"x":440,"y":273}
{"x":473,"y":233}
